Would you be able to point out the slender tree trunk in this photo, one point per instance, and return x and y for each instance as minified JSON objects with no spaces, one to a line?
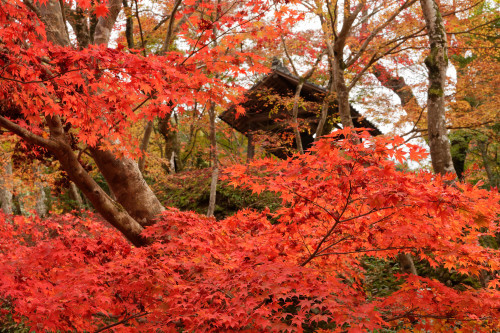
{"x":342,"y":92}
{"x":215,"y":162}
{"x":325,"y":107}
{"x":75,"y":195}
{"x":437,"y":62}
{"x":336,"y":54}
{"x":295,"y":118}
{"x":213,"y":137}
{"x":129,"y":27}
{"x":144,"y":144}
{"x":172,"y":145}
{"x":483,"y":148}
{"x":41,"y":198}
{"x":250,"y":147}
{"x":5,"y":189}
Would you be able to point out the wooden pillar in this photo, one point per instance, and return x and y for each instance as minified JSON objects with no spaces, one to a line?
{"x":250,"y":148}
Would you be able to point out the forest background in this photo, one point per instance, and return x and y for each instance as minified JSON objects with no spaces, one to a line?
{"x":111,"y":108}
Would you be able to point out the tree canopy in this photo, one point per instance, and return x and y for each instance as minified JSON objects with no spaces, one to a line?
{"x":109,"y":115}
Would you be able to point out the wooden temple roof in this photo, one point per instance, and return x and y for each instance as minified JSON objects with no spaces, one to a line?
{"x":265,"y":110}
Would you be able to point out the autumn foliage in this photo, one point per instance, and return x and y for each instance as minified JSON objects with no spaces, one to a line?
{"x":302,"y":267}
{"x":295,"y":269}
{"x":99,"y":91}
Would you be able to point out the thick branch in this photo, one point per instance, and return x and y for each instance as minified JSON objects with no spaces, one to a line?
{"x":105,"y":23}
{"x":25,"y":134}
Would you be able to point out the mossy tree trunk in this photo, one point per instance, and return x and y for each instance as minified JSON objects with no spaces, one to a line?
{"x":437,"y":62}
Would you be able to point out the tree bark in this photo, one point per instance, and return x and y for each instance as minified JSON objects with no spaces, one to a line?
{"x":112,"y":211}
{"x":250,"y":147}
{"x":459,"y":141}
{"x":395,"y":83}
{"x":5,"y":189}
{"x":215,"y":162}
{"x":437,"y":62}
{"x":123,"y":175}
{"x":125,"y":180}
{"x":55,"y":27}
{"x":336,"y":52}
{"x":75,"y":195}
{"x":295,"y":120}
{"x":129,"y":28}
{"x":406,"y":263}
{"x":41,"y":198}
{"x":144,"y":144}
{"x":105,"y":23}
{"x":172,"y":145}
{"x":325,"y":106}
{"x":342,"y":93}
{"x":78,"y":21}
{"x":483,"y":149}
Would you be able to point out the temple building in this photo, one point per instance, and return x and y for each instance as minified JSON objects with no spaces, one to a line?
{"x":268,"y":113}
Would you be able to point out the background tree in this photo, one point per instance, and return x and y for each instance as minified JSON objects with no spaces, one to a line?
{"x":437,"y":62}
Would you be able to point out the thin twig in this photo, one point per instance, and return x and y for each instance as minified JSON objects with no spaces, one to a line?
{"x":137,"y":315}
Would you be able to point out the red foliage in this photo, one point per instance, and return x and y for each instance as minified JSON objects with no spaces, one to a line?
{"x":297,"y":267}
{"x":100,"y":92}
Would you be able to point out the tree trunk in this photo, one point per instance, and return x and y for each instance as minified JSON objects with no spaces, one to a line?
{"x":137,"y":206}
{"x":5,"y":189}
{"x":250,"y":147}
{"x":460,"y":141}
{"x":342,"y":93}
{"x":325,"y":106}
{"x":125,"y":180}
{"x":41,"y":198}
{"x":215,"y":162}
{"x":406,"y":263}
{"x":172,"y":145}
{"x":78,"y":21}
{"x":75,"y":195}
{"x":395,"y":83}
{"x":129,"y":28}
{"x":295,"y":114}
{"x":144,"y":144}
{"x":58,"y":143}
{"x":55,"y":27}
{"x":112,"y":211}
{"x":437,"y":62}
{"x":105,"y":23}
{"x":336,"y":54}
{"x":483,"y":148}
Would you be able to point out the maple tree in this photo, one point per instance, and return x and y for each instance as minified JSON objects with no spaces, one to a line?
{"x":297,"y":268}
{"x":86,"y":99}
